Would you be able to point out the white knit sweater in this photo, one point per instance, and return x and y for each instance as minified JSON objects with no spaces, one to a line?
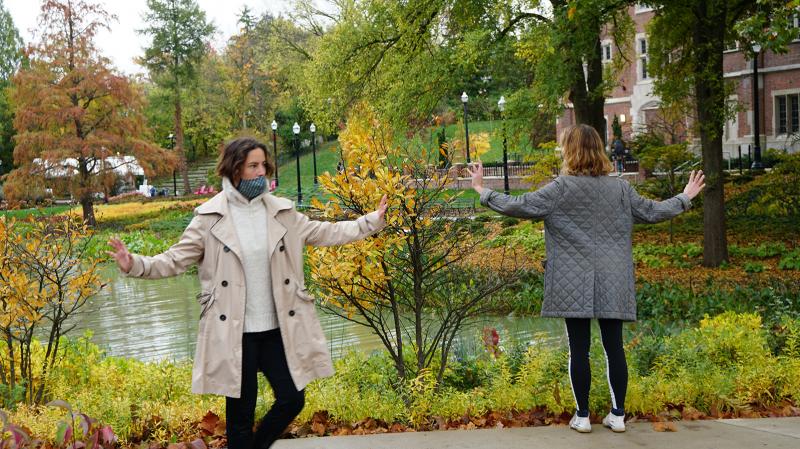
{"x":250,"y":221}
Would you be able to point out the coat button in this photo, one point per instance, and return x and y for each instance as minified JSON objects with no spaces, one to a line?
{"x":226,"y":249}
{"x":224,"y":283}
{"x":291,"y":313}
{"x":286,"y":282}
{"x":282,"y":248}
{"x":223,"y":318}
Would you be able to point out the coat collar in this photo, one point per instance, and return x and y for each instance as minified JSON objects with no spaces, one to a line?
{"x":224,"y":230}
{"x":218,"y":204}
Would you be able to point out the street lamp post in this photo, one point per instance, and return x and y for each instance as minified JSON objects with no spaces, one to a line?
{"x":275,"y":149}
{"x":171,"y":138}
{"x":502,"y":106}
{"x":465,"y":99}
{"x":757,"y":165}
{"x":296,"y":130}
{"x":313,"y":130}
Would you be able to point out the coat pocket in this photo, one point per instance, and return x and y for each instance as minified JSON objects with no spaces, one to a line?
{"x":303,"y":294}
{"x":206,"y":300}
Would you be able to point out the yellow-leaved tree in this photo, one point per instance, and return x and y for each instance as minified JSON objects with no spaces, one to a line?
{"x":45,"y":277}
{"x":415,"y":284}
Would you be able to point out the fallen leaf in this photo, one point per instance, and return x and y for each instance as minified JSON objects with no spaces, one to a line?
{"x":344,"y":430}
{"x":208,"y":424}
{"x":198,"y":444}
{"x":665,"y":426}
{"x":691,"y":414}
{"x":318,"y":428}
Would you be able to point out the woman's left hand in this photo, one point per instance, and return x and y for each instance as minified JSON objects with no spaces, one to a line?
{"x":382,"y":208}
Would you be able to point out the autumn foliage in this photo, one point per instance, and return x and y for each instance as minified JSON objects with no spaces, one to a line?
{"x":45,"y":277}
{"x":73,"y":111}
{"x":411,"y":284}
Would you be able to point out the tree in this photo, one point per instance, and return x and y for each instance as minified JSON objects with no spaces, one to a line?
{"x":687,"y":41}
{"x":73,"y":112}
{"x":668,"y":159}
{"x":208,"y":105}
{"x":10,"y":57}
{"x":179,"y":31}
{"x":417,"y":283}
{"x":45,"y":278}
{"x":243,"y":73}
{"x":439,"y":48}
{"x":570,"y":41}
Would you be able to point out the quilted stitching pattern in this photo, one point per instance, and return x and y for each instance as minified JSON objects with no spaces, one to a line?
{"x":588,"y":223}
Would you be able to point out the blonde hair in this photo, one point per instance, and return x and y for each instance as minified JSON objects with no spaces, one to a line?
{"x":583,"y":152}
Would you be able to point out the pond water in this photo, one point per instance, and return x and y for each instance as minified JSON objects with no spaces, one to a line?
{"x":157,"y":319}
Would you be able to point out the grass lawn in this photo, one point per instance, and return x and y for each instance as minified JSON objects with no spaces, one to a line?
{"x":24,"y":213}
{"x":328,"y":157}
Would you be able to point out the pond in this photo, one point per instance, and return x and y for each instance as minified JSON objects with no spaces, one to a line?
{"x":157,"y":319}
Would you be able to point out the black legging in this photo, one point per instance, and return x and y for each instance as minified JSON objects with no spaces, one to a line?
{"x":579,"y":335}
{"x":262,"y":351}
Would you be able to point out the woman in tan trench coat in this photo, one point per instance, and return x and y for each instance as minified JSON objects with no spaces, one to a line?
{"x":256,"y":312}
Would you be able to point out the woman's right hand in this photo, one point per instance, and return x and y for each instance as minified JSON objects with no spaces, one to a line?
{"x":120,"y":254}
{"x":695,"y":184}
{"x":477,"y":176}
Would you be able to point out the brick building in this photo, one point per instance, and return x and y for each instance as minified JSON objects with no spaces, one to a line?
{"x":637,"y":108}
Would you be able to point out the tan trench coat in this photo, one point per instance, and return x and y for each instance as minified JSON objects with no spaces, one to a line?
{"x":210,"y":240}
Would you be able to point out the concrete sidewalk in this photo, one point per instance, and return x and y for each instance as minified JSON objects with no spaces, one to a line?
{"x":724,"y":434}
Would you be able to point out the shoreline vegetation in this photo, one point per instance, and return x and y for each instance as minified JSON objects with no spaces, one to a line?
{"x":726,"y":366}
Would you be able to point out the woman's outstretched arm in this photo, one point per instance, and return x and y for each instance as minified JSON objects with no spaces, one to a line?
{"x":323,"y":233}
{"x":171,"y":262}
{"x":648,"y":211}
{"x":536,"y":204}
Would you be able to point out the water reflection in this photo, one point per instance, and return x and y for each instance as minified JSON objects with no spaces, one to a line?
{"x":157,"y":319}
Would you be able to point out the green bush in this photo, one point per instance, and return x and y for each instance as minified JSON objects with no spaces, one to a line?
{"x":790,"y":261}
{"x":527,"y":236}
{"x":666,"y":303}
{"x":774,"y":194}
{"x":509,"y":221}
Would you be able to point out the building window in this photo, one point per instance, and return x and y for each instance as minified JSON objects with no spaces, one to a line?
{"x":642,"y":47}
{"x":787,"y":113}
{"x":796,"y":25}
{"x":731,"y":45}
{"x":605,"y":51}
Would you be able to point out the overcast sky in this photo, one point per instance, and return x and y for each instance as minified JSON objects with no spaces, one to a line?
{"x":123,"y":43}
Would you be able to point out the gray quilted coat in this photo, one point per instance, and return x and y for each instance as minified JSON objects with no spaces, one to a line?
{"x":588,"y":223}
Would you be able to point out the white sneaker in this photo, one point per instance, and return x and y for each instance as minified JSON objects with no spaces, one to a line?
{"x":580,"y":424}
{"x":614,"y":422}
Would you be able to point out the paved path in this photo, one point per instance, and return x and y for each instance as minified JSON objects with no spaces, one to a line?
{"x":723,"y":434}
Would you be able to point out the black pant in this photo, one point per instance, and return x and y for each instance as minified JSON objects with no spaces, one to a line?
{"x":579,"y":335}
{"x":262,"y":351}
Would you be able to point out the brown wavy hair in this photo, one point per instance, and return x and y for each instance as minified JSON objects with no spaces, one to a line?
{"x":583,"y":152}
{"x":234,"y":154}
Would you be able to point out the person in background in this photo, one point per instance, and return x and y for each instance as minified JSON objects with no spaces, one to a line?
{"x":619,"y":156}
{"x":588,"y":221}
{"x":256,"y":313}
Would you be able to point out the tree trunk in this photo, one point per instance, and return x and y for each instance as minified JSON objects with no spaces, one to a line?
{"x":183,"y":166}
{"x":710,"y":93}
{"x":85,"y":189}
{"x":589,"y":104}
{"x":398,"y":326}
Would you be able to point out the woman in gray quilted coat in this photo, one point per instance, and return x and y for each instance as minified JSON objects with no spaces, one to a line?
{"x":588,"y":221}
